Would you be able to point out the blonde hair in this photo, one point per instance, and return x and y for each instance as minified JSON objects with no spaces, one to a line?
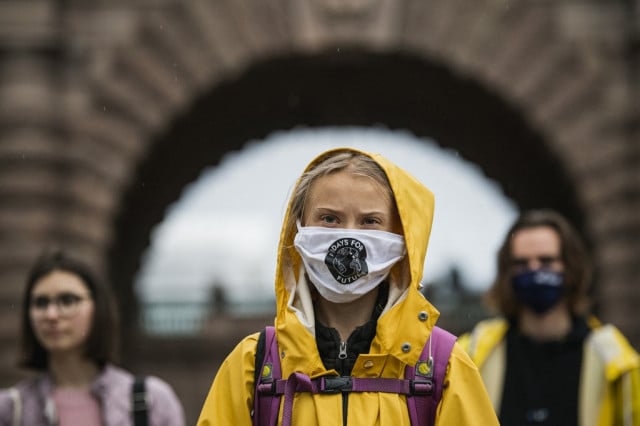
{"x":335,"y":161}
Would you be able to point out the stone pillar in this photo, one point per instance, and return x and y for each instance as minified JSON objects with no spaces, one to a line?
{"x":30,"y":143}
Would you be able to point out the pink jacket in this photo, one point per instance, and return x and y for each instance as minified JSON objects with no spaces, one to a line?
{"x":112,"y":389}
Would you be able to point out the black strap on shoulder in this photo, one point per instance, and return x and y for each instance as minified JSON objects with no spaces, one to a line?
{"x":139,"y":402}
{"x":260,"y":350}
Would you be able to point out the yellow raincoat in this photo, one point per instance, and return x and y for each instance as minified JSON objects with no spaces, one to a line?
{"x":609,"y":393}
{"x":464,"y":400}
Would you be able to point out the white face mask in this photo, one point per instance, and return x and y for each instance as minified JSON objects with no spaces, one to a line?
{"x":344,"y":264}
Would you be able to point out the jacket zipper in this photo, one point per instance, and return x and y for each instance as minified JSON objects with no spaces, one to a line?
{"x":343,"y":350}
{"x":342,"y":354}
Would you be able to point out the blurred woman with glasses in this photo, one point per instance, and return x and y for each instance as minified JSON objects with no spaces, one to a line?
{"x":69,"y":335}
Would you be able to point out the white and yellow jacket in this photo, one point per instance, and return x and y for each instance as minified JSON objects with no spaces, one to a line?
{"x":609,"y":393}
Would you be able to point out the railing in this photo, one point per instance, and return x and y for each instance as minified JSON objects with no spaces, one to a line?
{"x":459,"y":312}
{"x":190,"y":318}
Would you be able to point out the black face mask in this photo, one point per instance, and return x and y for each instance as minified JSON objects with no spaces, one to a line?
{"x":539,"y":290}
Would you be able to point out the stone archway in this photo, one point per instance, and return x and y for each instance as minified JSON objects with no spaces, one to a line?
{"x":352,"y":88}
{"x":552,"y":104}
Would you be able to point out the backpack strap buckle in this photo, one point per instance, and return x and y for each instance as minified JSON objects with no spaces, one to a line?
{"x":335,"y":384}
{"x":267,"y":387}
{"x":421,"y":387}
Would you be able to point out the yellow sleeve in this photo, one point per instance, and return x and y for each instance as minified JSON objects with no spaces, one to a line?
{"x":628,"y":398}
{"x":464,"y":400}
{"x":230,"y":399}
{"x":464,"y":341}
{"x":634,"y":379}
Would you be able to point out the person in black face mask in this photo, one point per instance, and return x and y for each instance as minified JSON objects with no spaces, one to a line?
{"x":545,"y":360}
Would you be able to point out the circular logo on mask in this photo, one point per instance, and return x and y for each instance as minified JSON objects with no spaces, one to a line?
{"x":346,"y":260}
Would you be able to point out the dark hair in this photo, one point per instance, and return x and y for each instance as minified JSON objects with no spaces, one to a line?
{"x":101,"y":345}
{"x":577,"y":266}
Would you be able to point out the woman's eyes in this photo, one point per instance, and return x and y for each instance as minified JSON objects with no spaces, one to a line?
{"x":371,"y":221}
{"x":329,"y":219}
{"x":64,"y":300}
{"x":333,"y":220}
{"x":68,"y":299}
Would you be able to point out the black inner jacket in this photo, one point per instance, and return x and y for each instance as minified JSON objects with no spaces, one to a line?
{"x":328,"y":339}
{"x":542,"y":379}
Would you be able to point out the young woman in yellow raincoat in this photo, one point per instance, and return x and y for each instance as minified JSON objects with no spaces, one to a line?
{"x":371,"y":327}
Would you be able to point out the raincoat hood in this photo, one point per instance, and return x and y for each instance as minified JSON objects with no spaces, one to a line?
{"x":407,"y":311}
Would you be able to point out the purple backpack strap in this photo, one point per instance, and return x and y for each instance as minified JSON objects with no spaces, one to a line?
{"x":265,"y":403}
{"x":423,"y":382}
{"x":429,"y":372}
{"x":297,"y":382}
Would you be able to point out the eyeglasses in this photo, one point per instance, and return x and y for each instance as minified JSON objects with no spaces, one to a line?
{"x":543,"y":261}
{"x":66,"y":303}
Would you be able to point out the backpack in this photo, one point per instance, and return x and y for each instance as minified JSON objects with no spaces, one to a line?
{"x":422,"y":383}
{"x":139,"y":407}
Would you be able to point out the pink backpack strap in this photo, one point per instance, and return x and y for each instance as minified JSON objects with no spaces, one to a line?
{"x":429,"y":372}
